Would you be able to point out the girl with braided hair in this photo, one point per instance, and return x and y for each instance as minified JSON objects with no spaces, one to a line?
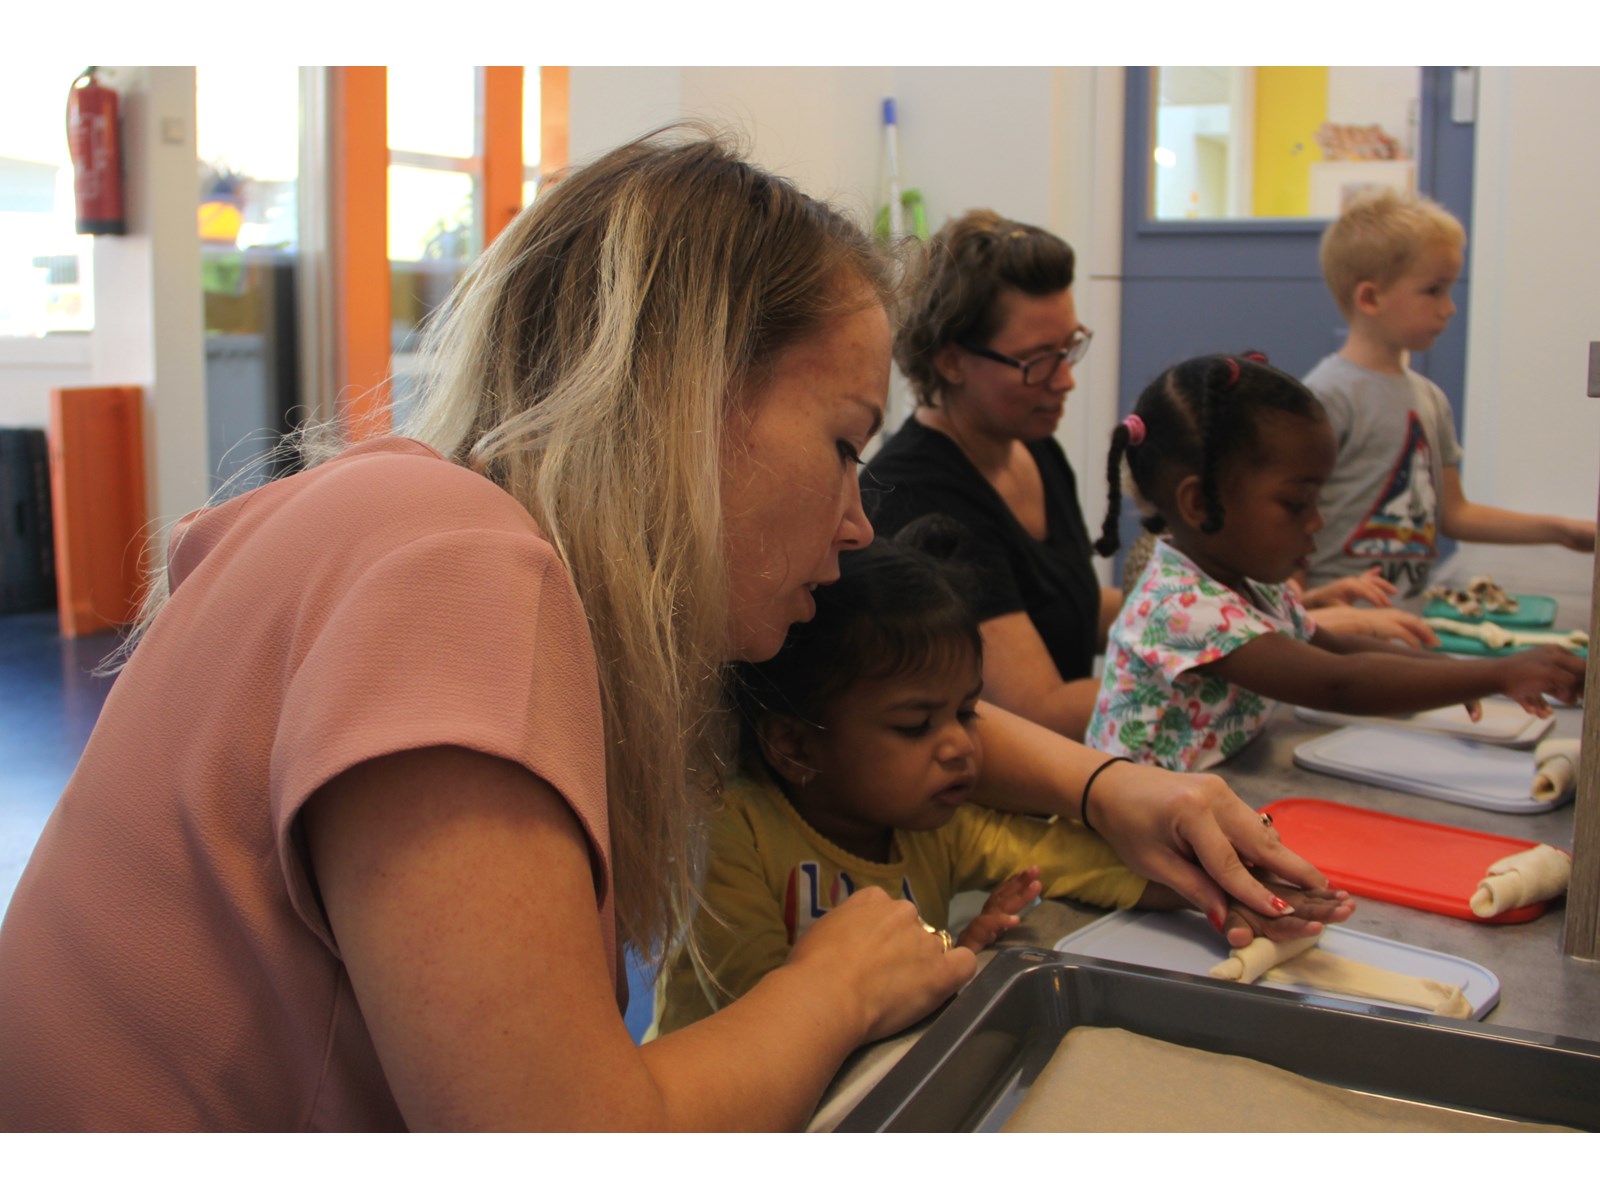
{"x":1229,"y":456}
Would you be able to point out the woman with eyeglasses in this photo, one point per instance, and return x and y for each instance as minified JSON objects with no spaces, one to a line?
{"x":989,"y":340}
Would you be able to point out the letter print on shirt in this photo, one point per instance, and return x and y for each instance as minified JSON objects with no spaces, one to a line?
{"x":803,"y":904}
{"x":1404,"y":521}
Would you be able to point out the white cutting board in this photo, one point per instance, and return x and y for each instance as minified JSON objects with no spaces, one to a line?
{"x":1185,"y":941}
{"x":1498,"y":778}
{"x":1504,"y":723}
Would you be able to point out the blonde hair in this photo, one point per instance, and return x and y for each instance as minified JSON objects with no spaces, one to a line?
{"x":589,"y":363}
{"x":1376,"y":238}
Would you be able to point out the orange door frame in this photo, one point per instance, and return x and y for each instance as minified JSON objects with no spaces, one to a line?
{"x":359,"y":178}
{"x":360,"y":205}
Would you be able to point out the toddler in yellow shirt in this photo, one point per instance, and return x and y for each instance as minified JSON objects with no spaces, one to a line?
{"x":860,"y":748}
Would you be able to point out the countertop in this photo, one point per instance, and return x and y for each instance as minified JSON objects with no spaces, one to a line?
{"x":1541,"y":990}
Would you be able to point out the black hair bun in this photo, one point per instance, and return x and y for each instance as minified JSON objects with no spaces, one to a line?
{"x":950,"y":544}
{"x":937,"y":535}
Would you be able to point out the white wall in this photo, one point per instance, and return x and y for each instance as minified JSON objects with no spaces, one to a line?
{"x":149,"y":313}
{"x":30,"y":367}
{"x":1532,"y":436}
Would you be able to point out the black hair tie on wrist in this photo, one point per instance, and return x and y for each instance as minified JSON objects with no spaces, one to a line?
{"x":1083,"y":805}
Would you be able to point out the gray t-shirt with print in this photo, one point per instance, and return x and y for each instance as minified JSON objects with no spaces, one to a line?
{"x":1381,"y":505}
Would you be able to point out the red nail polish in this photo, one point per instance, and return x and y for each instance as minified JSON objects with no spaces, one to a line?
{"x":1216,"y":921}
{"x":1282,"y":905}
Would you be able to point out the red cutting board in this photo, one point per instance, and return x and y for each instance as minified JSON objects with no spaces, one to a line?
{"x":1414,"y":863}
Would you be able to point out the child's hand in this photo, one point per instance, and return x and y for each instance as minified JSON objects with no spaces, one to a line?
{"x":1371,"y":587}
{"x":1385,"y":624}
{"x":1530,"y":675}
{"x":1000,"y":909}
{"x":1313,"y":905}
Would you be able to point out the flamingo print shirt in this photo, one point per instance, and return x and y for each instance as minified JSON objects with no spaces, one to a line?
{"x":1153,"y":705}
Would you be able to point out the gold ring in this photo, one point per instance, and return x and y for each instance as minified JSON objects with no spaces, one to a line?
{"x":1266,"y":819}
{"x":942,"y":934}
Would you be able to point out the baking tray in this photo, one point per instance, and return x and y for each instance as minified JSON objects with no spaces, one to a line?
{"x":979,"y":1057}
{"x":1497,"y":778}
{"x":1415,"y":863}
{"x":1504,"y":723}
{"x":1185,"y":941}
{"x":1533,"y":612}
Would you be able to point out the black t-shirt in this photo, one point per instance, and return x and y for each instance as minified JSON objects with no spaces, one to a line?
{"x":919,"y":470}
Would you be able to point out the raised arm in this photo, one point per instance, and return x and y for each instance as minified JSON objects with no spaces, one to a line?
{"x":1465,"y":521}
{"x":1186,"y":831}
{"x":460,"y":892}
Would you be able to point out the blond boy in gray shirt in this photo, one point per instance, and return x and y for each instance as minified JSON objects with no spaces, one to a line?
{"x":1390,"y":262}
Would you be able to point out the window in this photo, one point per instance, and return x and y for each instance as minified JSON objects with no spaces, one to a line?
{"x":247,"y":141}
{"x":46,"y":267}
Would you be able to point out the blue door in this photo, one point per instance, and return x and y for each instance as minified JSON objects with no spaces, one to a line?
{"x":1203,"y":286}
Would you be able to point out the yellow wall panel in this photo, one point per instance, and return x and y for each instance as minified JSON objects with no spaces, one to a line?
{"x":1291,"y":105}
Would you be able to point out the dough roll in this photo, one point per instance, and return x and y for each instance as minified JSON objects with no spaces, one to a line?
{"x":1555,"y":770}
{"x":1301,"y":962}
{"x":1249,"y":963}
{"x":1541,"y":873}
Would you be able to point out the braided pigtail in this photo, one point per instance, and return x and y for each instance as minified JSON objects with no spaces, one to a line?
{"x":1216,"y":379}
{"x":1106,"y":545}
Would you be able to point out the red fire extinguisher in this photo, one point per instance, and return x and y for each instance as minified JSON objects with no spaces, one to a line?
{"x":95,"y":141}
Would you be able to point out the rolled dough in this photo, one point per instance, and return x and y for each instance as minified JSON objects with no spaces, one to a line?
{"x":1555,"y":768}
{"x":1496,"y":637}
{"x":1249,"y":963}
{"x":1302,"y":962}
{"x":1541,"y":873}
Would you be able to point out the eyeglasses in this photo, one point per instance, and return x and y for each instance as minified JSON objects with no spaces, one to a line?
{"x":1038,"y":371}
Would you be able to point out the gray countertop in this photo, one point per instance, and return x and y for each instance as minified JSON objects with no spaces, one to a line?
{"x":1541,"y":990}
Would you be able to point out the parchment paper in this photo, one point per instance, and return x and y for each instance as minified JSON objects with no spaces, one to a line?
{"x":1113,"y":1081}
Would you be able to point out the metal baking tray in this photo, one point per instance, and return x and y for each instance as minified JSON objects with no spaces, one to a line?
{"x":978,"y":1058}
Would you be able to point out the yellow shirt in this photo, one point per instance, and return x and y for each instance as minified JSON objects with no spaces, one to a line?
{"x":771,"y":876}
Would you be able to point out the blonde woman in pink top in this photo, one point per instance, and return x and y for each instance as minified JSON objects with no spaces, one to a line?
{"x":412,"y":742}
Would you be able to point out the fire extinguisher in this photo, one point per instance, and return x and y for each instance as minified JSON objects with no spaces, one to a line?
{"x":95,"y":141}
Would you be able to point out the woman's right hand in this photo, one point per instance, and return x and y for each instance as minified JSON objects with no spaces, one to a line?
{"x":1530,"y":675}
{"x":1193,"y":834}
{"x":878,"y":955}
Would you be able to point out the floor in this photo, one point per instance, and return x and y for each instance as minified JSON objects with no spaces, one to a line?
{"x":49,"y":701}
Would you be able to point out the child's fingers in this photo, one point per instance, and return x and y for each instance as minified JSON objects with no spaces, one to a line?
{"x":1373,"y":591}
{"x":1243,"y":926}
{"x":984,"y":929}
{"x":1012,"y":896}
{"x":1534,"y":704}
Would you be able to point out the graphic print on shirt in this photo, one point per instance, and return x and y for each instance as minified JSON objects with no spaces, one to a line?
{"x":803,"y":903}
{"x":1403,"y":523}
